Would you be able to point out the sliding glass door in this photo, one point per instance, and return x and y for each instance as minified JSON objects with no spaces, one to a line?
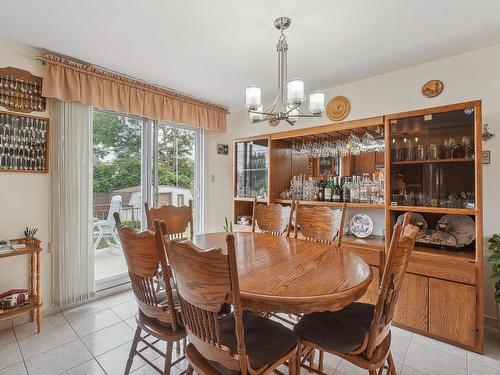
{"x":117,"y":187}
{"x":178,"y":168}
{"x":137,"y":160}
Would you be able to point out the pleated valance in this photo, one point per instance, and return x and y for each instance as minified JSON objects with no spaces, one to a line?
{"x":71,"y":81}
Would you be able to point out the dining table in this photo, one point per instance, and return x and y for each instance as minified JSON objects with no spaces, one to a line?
{"x":287,"y":275}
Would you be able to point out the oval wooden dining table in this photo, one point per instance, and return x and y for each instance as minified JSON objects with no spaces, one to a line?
{"x":289,"y":275}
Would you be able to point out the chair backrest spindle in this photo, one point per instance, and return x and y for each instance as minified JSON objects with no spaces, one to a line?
{"x":144,"y":258}
{"x":206,"y":280}
{"x":400,"y":250}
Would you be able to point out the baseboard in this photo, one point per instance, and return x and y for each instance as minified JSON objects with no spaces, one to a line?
{"x":113,"y":290}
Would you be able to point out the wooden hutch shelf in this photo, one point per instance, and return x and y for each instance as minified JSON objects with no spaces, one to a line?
{"x":33,"y":249}
{"x":436,"y":210}
{"x":332,"y":204}
{"x":244,"y":199}
{"x":442,"y":293}
{"x":436,"y":161}
{"x":33,"y":305}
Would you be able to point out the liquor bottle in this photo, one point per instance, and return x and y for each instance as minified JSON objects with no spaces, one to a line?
{"x":328,"y":190}
{"x":355,"y":189}
{"x":322,"y":185}
{"x":336,"y":190}
{"x":374,"y":190}
{"x":363,"y":189}
{"x":341,"y":189}
{"x":347,"y":189}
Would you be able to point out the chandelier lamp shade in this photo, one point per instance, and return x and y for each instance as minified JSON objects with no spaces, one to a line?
{"x":290,"y":95}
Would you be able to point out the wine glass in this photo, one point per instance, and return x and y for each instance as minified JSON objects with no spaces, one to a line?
{"x":367,"y":142}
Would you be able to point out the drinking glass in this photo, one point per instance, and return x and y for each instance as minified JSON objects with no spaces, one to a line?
{"x":367,"y":142}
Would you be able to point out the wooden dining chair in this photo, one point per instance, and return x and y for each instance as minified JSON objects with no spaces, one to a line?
{"x":179,"y":220}
{"x":272,"y":218}
{"x":158,"y":314}
{"x":360,"y":333}
{"x":320,"y":223}
{"x":241,"y":341}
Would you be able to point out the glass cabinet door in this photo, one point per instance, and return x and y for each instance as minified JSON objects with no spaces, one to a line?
{"x":432,"y":160}
{"x":252,"y":162}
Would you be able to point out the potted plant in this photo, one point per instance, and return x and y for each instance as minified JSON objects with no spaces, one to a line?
{"x":228,"y":225}
{"x":494,"y":259}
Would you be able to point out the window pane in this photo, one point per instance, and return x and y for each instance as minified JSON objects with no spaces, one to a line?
{"x":116,"y":186}
{"x":176,"y":165}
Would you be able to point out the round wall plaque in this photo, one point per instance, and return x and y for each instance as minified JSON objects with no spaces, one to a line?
{"x":338,"y":108}
{"x":432,"y":88}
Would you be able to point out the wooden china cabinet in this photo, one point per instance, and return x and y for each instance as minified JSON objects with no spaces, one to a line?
{"x":431,"y":166}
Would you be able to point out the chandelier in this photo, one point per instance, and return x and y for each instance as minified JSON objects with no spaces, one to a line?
{"x":290,"y":95}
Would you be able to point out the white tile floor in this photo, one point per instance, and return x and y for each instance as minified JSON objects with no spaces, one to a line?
{"x":95,"y":338}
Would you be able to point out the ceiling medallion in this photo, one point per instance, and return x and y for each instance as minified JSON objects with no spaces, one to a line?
{"x":290,"y":95}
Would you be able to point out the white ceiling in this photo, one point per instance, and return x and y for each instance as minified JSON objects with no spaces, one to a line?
{"x":214,"y":49}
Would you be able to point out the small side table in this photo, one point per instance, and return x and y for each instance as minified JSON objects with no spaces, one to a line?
{"x":34,"y":306}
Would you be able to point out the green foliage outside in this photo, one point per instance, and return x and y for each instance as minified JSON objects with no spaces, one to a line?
{"x":135,"y":224}
{"x":117,"y":154}
{"x":228,"y":225}
{"x":494,"y":259}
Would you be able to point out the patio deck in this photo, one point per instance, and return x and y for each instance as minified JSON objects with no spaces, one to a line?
{"x":109,"y":261}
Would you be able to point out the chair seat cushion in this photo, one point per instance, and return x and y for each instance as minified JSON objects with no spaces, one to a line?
{"x":266,"y":341}
{"x":340,"y":331}
{"x":162,"y":300}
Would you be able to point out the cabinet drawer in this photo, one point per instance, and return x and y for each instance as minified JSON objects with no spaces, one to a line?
{"x":447,"y":268}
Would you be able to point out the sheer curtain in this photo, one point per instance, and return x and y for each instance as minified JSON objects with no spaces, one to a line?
{"x":71,"y":178}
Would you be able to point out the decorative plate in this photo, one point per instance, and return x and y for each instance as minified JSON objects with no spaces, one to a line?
{"x":338,"y":108}
{"x":361,"y":225}
{"x":461,"y":226}
{"x":415,"y":219}
{"x":436,"y":238}
{"x":432,"y":88}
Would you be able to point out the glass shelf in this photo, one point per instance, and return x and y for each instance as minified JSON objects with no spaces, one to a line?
{"x":432,"y":162}
{"x":252,"y":169}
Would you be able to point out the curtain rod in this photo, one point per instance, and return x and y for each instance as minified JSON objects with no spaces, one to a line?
{"x":43,"y":60}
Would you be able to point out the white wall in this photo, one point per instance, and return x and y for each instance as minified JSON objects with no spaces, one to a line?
{"x":475,"y":75}
{"x":24,"y":200}
{"x":218,"y":181}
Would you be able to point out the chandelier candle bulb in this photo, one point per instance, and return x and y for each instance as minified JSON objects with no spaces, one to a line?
{"x":253,"y":98}
{"x":317,"y":103}
{"x":295,"y":92}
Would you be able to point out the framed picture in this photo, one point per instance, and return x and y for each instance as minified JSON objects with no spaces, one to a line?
{"x":222,"y":149}
{"x":486,"y":157}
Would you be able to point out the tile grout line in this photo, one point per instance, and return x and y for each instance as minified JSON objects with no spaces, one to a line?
{"x":78,"y":338}
{"x":408,"y":350}
{"x":20,"y":351}
{"x":56,"y":347}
